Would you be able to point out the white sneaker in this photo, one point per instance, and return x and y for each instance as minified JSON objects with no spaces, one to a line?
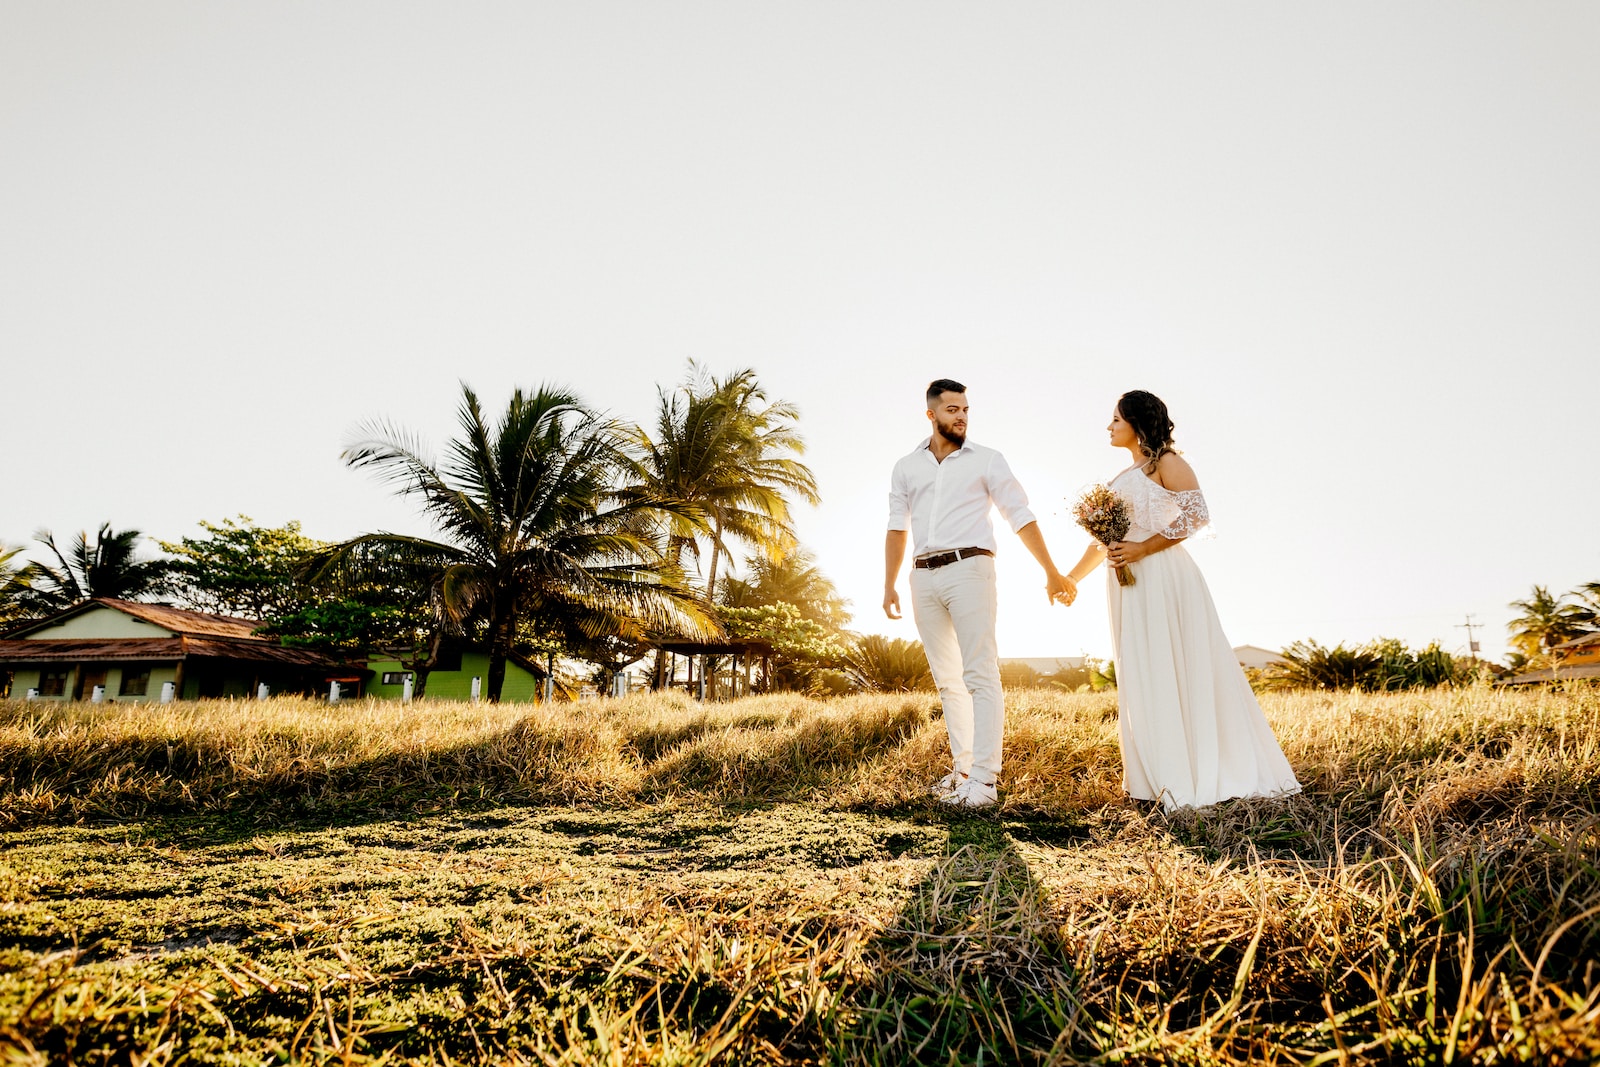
{"x":972,"y":794}
{"x":947,"y":785}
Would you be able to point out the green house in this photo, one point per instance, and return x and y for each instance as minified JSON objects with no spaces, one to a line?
{"x":452,"y":678}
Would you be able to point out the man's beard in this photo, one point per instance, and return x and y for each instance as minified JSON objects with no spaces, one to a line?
{"x":949,"y":433}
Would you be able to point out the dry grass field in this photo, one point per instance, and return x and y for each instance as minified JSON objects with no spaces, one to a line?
{"x":651,"y":881}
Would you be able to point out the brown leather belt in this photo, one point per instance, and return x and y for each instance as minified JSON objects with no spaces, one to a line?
{"x":944,"y":559}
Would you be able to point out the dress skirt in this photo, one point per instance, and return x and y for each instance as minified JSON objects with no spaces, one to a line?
{"x":1192,"y":732}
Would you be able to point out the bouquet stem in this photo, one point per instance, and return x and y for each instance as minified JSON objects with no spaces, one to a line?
{"x":1124,"y":575}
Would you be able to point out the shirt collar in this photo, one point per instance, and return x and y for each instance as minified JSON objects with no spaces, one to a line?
{"x":925,"y":450}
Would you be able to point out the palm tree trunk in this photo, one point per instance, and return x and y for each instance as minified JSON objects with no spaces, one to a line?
{"x":716,"y":555}
{"x":500,"y":630}
{"x":425,"y":666}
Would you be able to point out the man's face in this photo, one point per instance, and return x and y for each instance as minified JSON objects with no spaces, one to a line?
{"x":949,"y":417}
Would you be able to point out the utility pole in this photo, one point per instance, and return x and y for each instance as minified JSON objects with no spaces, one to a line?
{"x":1472,"y":642}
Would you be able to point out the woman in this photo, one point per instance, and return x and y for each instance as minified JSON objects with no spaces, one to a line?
{"x":1192,"y":733}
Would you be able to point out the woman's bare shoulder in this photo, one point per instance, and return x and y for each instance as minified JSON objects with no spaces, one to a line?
{"x":1174,"y":473}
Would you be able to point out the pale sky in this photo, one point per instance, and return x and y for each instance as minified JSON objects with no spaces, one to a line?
{"x":1354,"y":246}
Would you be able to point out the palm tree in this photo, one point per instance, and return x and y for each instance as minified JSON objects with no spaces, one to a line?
{"x":888,"y":665}
{"x":1309,"y":665}
{"x":106,"y":568}
{"x":15,"y":586}
{"x":1588,"y":597}
{"x":795,"y":579}
{"x":534,"y":531}
{"x":1545,"y":622}
{"x":728,"y":455}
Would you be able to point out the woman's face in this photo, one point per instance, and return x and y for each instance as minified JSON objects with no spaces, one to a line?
{"x":1122,"y":435}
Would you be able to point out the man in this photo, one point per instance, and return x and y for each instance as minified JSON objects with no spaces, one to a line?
{"x":942,"y":493}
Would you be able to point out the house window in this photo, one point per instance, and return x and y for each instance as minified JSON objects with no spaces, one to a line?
{"x":53,"y":683}
{"x":135,"y":681}
{"x":395,"y":677}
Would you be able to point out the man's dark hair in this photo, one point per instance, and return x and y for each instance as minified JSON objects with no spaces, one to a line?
{"x":940,"y":386}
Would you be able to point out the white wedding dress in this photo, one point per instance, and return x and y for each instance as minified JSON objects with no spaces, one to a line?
{"x":1192,"y":733}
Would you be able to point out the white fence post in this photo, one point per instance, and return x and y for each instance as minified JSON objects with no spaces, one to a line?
{"x":168,"y":691}
{"x":262,"y":692}
{"x":97,"y":695}
{"x":333,"y":692}
{"x":406,"y":688}
{"x":477,"y":688}
{"x":33,"y":694}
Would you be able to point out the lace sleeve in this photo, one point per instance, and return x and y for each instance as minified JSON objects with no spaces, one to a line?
{"x":1192,"y":515}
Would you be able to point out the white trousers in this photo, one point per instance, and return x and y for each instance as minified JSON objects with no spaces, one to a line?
{"x":954,"y":607}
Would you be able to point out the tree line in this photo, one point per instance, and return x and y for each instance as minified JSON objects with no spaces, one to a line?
{"x":562,"y":533}
{"x":1544,"y":621}
{"x":558,"y":533}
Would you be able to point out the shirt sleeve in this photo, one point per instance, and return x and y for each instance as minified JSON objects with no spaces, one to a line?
{"x":899,"y":501}
{"x":1007,"y":494}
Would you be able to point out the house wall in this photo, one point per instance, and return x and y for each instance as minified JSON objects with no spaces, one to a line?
{"x":101,"y":622}
{"x":520,"y":687}
{"x":236,"y":683}
{"x":26,"y":678}
{"x":1254,"y":658}
{"x":1583,"y":654}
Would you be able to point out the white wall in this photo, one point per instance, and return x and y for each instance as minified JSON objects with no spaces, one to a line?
{"x":101,"y":622}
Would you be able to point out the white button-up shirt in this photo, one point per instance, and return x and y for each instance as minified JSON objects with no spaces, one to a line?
{"x":946,"y":505}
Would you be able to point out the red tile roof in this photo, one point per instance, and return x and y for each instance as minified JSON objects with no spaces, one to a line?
{"x":180,"y":621}
{"x":176,"y":620}
{"x":164,"y":649}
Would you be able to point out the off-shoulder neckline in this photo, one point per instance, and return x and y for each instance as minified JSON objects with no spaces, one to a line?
{"x":1142,"y":474}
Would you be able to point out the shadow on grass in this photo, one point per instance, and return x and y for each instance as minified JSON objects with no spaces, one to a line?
{"x":971,"y":971}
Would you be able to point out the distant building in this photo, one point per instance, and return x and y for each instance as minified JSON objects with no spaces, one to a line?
{"x":451,"y":677}
{"x":130,"y":650}
{"x":1578,"y":652}
{"x":1256,"y":658}
{"x":1578,"y":658}
{"x":1045,"y":664}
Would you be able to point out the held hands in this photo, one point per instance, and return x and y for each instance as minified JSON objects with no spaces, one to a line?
{"x":1061,"y":589}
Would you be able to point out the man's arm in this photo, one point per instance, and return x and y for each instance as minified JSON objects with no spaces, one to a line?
{"x":1007,"y":494}
{"x":1057,"y":585}
{"x":894,"y":554}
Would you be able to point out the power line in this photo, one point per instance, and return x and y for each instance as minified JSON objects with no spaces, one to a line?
{"x":1469,"y":626}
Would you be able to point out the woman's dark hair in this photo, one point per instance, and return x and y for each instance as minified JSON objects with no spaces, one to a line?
{"x":1148,"y":416}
